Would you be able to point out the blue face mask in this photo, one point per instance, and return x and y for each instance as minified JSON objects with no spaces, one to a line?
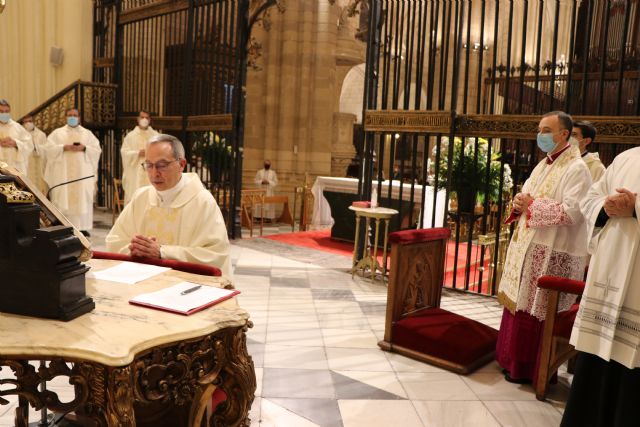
{"x":5,"y":117}
{"x":73,"y":121}
{"x":546,"y":142}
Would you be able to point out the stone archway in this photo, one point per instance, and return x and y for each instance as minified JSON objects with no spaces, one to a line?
{"x":349,"y":113}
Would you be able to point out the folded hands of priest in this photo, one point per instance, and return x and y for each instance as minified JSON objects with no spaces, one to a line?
{"x":8,"y":142}
{"x":142,"y":246}
{"x":621,"y":204}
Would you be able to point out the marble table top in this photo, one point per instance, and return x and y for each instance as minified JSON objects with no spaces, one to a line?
{"x":377,"y":212}
{"x":116,"y":331}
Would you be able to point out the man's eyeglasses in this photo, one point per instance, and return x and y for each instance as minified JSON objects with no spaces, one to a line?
{"x":160,"y":166}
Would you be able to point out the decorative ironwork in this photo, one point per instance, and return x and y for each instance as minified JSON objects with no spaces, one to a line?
{"x":98,"y":105}
{"x":407,"y":121}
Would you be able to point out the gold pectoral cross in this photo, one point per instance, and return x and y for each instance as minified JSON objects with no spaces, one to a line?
{"x":606,"y":286}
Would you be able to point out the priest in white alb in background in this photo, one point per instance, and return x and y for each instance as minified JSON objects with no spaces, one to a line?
{"x":175,"y":217}
{"x":606,"y":385}
{"x":15,"y":141}
{"x":585,"y":133}
{"x":132,"y":153}
{"x":72,"y":154}
{"x":37,"y":159}
{"x":266,"y":179}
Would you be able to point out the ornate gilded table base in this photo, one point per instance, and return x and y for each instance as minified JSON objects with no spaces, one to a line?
{"x":165,"y":386}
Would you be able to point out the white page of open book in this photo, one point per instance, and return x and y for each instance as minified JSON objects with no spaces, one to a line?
{"x":128,"y":272}
{"x":172,"y":299}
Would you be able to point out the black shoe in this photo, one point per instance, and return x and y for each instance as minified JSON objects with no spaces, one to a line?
{"x":508,"y":378}
{"x":86,"y":233}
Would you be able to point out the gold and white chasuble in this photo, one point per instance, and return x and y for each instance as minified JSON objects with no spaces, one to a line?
{"x":550,"y":238}
{"x":191,"y":228}
{"x":74,"y":200}
{"x":37,"y":160}
{"x":608,"y":322}
{"x":18,"y":156}
{"x":595,"y":166}
{"x":133,"y":175}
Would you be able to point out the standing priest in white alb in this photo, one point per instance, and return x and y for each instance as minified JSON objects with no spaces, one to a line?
{"x":15,"y":141}
{"x":72,"y":154}
{"x":175,"y":217}
{"x":132,"y":153}
{"x":606,"y":386}
{"x":37,"y":160}
{"x":267,"y":179}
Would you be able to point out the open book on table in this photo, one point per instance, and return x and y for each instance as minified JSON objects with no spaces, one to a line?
{"x":184,"y":298}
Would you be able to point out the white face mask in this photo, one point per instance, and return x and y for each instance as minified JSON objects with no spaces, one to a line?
{"x":29,"y":126}
{"x":143,"y":123}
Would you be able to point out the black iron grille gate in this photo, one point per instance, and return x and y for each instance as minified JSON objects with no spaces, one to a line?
{"x":453,"y":94}
{"x":183,"y":61}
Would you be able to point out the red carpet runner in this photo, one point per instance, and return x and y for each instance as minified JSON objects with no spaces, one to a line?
{"x":321,"y":240}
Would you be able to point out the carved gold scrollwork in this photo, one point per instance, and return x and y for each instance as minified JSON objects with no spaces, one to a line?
{"x":28,"y":379}
{"x":14,"y":195}
{"x":408,"y":121}
{"x":238,"y":380}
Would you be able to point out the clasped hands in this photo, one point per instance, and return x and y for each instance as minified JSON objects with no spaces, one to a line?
{"x":521,"y":202}
{"x":73,"y":147}
{"x":622,"y":204}
{"x":8,"y":142}
{"x":142,"y":246}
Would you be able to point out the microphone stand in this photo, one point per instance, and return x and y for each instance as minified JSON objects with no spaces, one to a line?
{"x":68,"y":182}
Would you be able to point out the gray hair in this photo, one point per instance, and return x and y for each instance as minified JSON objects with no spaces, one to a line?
{"x":5,"y":103}
{"x":176,"y":146}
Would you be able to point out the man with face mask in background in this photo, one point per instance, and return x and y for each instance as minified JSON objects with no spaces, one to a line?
{"x":72,"y":153}
{"x":15,"y":142}
{"x":550,"y":238}
{"x":132,"y":152}
{"x":267,"y":179}
{"x":37,"y":159}
{"x":584,"y":134}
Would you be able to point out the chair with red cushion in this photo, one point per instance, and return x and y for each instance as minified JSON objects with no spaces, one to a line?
{"x":187,"y":267}
{"x":415,"y":324}
{"x":554,"y":346}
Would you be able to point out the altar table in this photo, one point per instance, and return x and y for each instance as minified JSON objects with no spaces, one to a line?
{"x":133,"y":365}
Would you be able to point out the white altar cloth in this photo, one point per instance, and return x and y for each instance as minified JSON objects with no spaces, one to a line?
{"x":322,"y":217}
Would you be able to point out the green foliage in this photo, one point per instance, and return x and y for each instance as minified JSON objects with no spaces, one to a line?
{"x":471,"y":174}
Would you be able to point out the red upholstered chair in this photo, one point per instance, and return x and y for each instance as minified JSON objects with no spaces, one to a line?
{"x":415,"y":324}
{"x":554,"y":346}
{"x":187,"y":267}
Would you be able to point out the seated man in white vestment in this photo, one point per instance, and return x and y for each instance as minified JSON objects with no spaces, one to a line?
{"x":37,"y":160}
{"x":267,"y":179}
{"x":175,"y":217}
{"x":132,"y":153}
{"x":15,"y":141}
{"x":606,"y":385}
{"x":73,"y":153}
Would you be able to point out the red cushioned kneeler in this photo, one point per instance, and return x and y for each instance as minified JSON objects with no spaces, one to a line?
{"x":415,"y":324}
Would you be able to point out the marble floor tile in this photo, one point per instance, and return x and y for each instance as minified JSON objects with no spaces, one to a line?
{"x":455,"y":414}
{"x":435,"y":386}
{"x":378,"y":413}
{"x":254,"y":412}
{"x":492,"y":386}
{"x":274,"y":415}
{"x":349,"y":338}
{"x":524,"y":413}
{"x":301,"y":337}
{"x":323,"y":412}
{"x":256,"y":351}
{"x":357,"y":359}
{"x":259,"y":373}
{"x":375,"y":308}
{"x":401,"y":363}
{"x":333,"y":294}
{"x":367,"y":385}
{"x":285,"y":356}
{"x":298,"y":383}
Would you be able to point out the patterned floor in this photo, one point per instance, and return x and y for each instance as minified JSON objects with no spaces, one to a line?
{"x":316,"y":358}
